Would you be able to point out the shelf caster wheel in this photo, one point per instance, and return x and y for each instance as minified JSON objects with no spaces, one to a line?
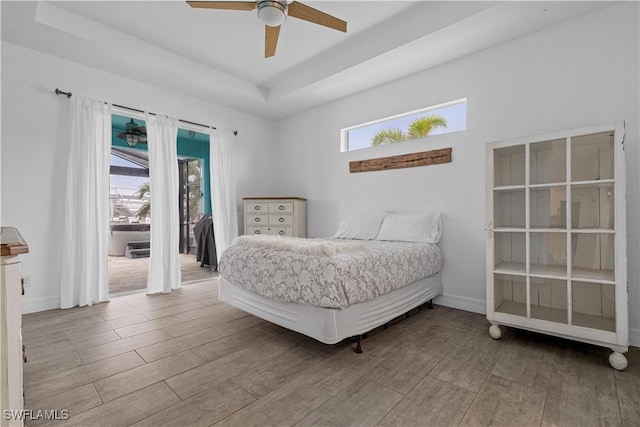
{"x":495,"y":332}
{"x":618,"y":361}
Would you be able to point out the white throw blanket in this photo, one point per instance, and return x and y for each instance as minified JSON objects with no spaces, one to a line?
{"x":301,"y":246}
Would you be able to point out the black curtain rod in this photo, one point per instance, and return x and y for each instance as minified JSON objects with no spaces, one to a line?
{"x":68,"y":95}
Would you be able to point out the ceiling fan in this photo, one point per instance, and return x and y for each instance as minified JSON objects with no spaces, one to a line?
{"x":273,"y":15}
{"x":133,"y":134}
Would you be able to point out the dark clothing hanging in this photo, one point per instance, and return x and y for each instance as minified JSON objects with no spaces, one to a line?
{"x":206,"y":249}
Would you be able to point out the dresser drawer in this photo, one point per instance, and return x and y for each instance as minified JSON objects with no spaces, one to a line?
{"x":255,"y":220}
{"x":280,"y":219}
{"x":284,"y":231}
{"x":260,"y":230}
{"x":270,"y":231}
{"x":285,"y":207}
{"x":256,"y":207}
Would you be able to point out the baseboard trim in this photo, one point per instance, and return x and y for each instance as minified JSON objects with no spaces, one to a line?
{"x":634,"y":337}
{"x":33,"y":305}
{"x":462,"y":303}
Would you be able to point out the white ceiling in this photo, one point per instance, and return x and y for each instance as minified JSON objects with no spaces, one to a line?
{"x":218,"y":55}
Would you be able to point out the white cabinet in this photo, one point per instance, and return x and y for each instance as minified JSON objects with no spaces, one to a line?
{"x":556,"y":237}
{"x":282,"y":216}
{"x":11,"y":350}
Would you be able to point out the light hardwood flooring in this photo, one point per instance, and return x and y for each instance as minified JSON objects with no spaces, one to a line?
{"x":184,"y":359}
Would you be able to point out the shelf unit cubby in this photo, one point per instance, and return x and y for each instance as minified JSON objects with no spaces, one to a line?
{"x":556,"y":250}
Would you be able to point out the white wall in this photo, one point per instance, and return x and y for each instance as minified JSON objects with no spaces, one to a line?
{"x":581,"y":73}
{"x":35,"y":147}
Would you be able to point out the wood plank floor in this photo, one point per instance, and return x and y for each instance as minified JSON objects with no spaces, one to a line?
{"x":185,"y":359}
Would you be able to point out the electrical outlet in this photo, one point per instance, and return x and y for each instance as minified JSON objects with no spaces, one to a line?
{"x":26,"y":281}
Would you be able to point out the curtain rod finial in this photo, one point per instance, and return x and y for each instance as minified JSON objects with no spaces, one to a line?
{"x":59,"y":92}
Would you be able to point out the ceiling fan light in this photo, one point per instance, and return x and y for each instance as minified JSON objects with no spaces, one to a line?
{"x":130,"y":126}
{"x":132,"y":139}
{"x":272,"y":13}
{"x":133,"y":134}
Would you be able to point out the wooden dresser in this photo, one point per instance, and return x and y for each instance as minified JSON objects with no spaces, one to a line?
{"x":11,"y":351}
{"x":278,"y":216}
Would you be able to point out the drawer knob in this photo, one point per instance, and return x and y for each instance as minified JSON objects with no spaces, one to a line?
{"x":281,"y":232}
{"x":257,"y":219}
{"x":281,"y":207}
{"x":257,"y":231}
{"x":257,"y":208}
{"x":281,"y":219}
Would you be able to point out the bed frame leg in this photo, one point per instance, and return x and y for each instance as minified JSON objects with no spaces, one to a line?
{"x":430,"y":304}
{"x":358,"y":347}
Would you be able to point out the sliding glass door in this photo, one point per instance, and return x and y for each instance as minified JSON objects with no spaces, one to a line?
{"x":190,"y":197}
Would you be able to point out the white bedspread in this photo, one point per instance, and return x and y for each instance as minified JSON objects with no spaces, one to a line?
{"x":332,"y":281}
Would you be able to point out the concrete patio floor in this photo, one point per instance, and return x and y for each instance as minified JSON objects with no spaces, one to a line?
{"x":127,"y":275}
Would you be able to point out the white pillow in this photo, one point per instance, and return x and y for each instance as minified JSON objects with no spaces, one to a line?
{"x":421,"y":228}
{"x":360,"y":227}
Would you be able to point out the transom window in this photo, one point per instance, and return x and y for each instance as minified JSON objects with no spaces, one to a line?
{"x":417,"y":124}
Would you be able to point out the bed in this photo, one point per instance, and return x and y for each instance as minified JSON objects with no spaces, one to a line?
{"x":329,"y":289}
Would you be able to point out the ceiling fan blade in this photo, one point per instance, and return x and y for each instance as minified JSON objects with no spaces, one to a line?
{"x":304,"y":12}
{"x":270,"y":40}
{"x":229,"y":5}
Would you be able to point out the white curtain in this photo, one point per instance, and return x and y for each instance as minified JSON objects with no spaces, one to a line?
{"x":223,"y":188}
{"x":84,"y":276}
{"x":164,"y":262}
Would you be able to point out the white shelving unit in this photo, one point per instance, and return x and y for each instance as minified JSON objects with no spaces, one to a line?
{"x":556,"y":237}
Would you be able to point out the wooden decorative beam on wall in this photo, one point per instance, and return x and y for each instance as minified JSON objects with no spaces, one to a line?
{"x":424,"y":158}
